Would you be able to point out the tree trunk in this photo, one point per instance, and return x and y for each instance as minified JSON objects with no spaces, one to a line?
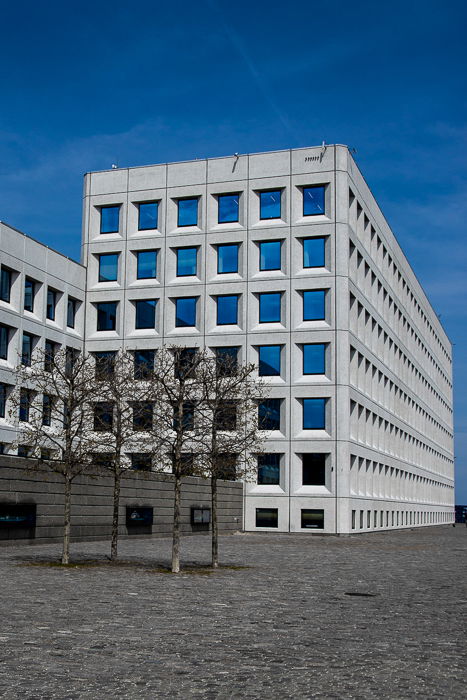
{"x":67,"y":522}
{"x":176,"y":528}
{"x":214,"y":526}
{"x":116,"y":505}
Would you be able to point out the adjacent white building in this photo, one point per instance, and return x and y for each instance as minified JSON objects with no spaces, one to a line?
{"x":285,"y":260}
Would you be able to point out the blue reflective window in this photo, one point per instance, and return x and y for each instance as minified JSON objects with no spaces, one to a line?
{"x":314,"y":414}
{"x":5,"y":284}
{"x":269,"y":360}
{"x":227,"y":309}
{"x":186,"y":262}
{"x":270,"y":255}
{"x":227,"y":208}
{"x":185,"y":312}
{"x":145,"y":313}
{"x":269,"y":469}
{"x":313,"y":200}
{"x":227,"y":258}
{"x":270,"y":204}
{"x":108,"y":267}
{"x":110,"y":219}
{"x":147,"y":215}
{"x":313,"y":305}
{"x":29,"y":294}
{"x":146,"y":264}
{"x":313,"y":252}
{"x":144,"y":364}
{"x":51,"y":303}
{"x":71,"y":306}
{"x":4,"y":338}
{"x":106,"y":315}
{"x":187,"y":212}
{"x":314,"y":361}
{"x":270,"y":307}
{"x":269,"y":414}
{"x":26,"y":349}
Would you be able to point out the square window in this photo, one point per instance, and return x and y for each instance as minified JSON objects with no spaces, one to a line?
{"x":225,"y":415}
{"x":186,"y":262}
{"x":105,"y":364}
{"x":110,"y":219}
{"x":51,"y":303}
{"x":142,"y":415}
{"x":146,"y":264}
{"x":226,"y":361}
{"x":266,"y":517}
{"x":106,"y":315}
{"x":314,"y":414}
{"x":29,"y":294}
{"x":141,"y":461}
{"x":227,"y":309}
{"x":72,"y":305}
{"x":5,"y":284}
{"x":314,"y":358}
{"x":228,"y":208}
{"x":227,"y":258}
{"x":185,"y":362}
{"x":269,"y":414}
{"x":187,"y":212}
{"x":108,"y":267}
{"x":4,"y":339}
{"x":270,"y":307}
{"x":103,"y":416}
{"x":270,"y":255}
{"x":312,"y":519}
{"x":143,"y":363}
{"x":269,"y":470}
{"x":313,"y":305}
{"x":314,"y":252}
{"x":185,"y":312}
{"x":269,"y":360}
{"x":145,"y":316}
{"x":313,"y":200}
{"x":270,"y":204}
{"x":313,"y":469}
{"x":147,"y":215}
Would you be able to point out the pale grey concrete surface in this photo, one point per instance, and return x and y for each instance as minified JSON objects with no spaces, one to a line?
{"x":283,"y":628}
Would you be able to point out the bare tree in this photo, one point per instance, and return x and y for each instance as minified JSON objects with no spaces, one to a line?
{"x":228,"y":423}
{"x":51,"y":403}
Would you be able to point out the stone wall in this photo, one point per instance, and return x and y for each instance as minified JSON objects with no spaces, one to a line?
{"x":92,"y":503}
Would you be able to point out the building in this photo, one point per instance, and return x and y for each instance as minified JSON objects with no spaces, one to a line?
{"x":285,"y":260}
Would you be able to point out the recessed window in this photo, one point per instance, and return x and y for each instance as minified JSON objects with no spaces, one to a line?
{"x":106,"y":315}
{"x":269,"y":360}
{"x":227,"y":309}
{"x":186,"y":262}
{"x":29,"y":294}
{"x":3,"y":398}
{"x":227,"y":208}
{"x":145,"y":316}
{"x":187,"y":212}
{"x":26,"y":349}
{"x":270,"y":204}
{"x":146,"y":264}
{"x":143,"y":364}
{"x":269,"y":414}
{"x":186,"y":362}
{"x":185,"y":312}
{"x":147,"y":215}
{"x":266,"y":517}
{"x":51,"y":303}
{"x":225,"y":415}
{"x":226,"y":361}
{"x":103,"y":416}
{"x":227,"y":258}
{"x":269,"y":470}
{"x":110,"y":219}
{"x":313,"y":200}
{"x":4,"y":339}
{"x":5,"y":284}
{"x":72,"y":305}
{"x":313,"y":305}
{"x":47,"y":404}
{"x":269,"y":255}
{"x":314,"y":358}
{"x":313,"y":469}
{"x":314,"y":252}
{"x":142,"y":415}
{"x":141,"y":461}
{"x":184,"y":419}
{"x":105,"y":364}
{"x":108,"y":267}
{"x":270,"y":307}
{"x":50,"y":350}
{"x":312,"y":519}
{"x":25,"y":400}
{"x":314,"y":414}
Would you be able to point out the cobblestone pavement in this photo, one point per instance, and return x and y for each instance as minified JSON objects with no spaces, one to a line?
{"x":284,"y":628}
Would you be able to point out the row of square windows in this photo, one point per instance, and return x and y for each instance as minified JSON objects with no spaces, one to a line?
{"x":228,"y":209}
{"x":227,"y":310}
{"x":270,"y":258}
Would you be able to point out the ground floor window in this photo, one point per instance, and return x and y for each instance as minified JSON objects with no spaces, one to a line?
{"x":312,"y":519}
{"x":266,"y":517}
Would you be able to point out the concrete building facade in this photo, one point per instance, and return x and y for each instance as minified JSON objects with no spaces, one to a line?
{"x":285,"y":260}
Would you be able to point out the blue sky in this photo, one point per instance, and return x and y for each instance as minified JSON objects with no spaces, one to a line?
{"x":85,"y":85}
